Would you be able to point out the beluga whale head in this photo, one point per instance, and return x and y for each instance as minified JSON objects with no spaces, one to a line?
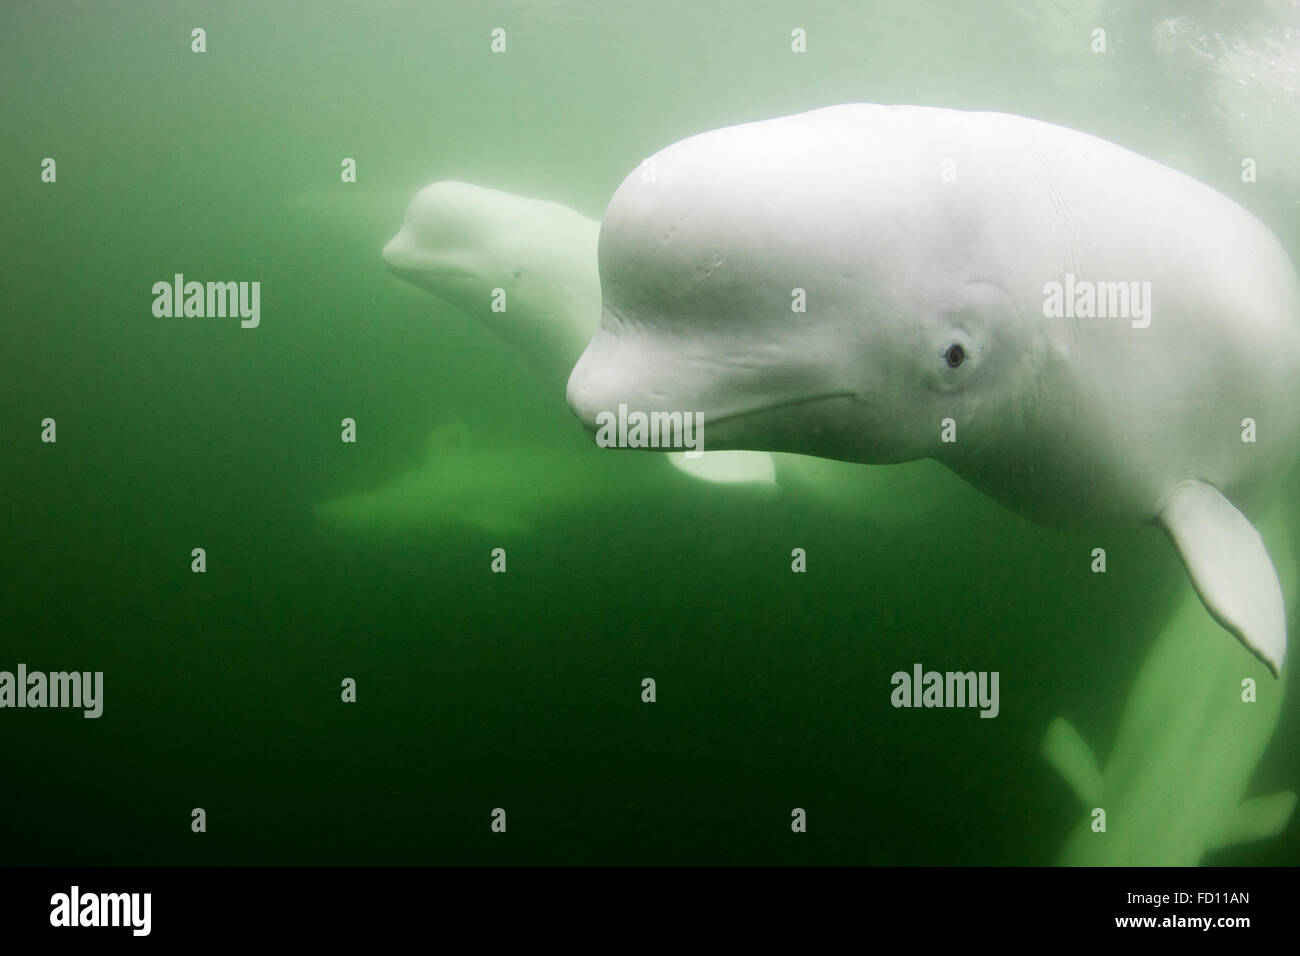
{"x":776,"y":278}
{"x":1086,"y":336}
{"x":522,"y":267}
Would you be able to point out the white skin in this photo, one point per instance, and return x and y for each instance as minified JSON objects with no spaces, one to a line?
{"x":925,"y":297}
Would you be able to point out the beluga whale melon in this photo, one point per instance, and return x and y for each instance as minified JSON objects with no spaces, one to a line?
{"x":1086,"y":336}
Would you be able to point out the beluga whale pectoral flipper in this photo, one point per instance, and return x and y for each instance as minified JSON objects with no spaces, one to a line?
{"x":1081,"y":333}
{"x":1229,"y":567}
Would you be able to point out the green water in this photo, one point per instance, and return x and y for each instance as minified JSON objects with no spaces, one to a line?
{"x":523,"y":690}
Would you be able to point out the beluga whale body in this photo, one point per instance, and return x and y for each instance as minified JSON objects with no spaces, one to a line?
{"x":1084,"y":335}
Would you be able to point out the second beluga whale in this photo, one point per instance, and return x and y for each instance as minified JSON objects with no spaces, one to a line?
{"x":1083,"y":334}
{"x":524,"y":268}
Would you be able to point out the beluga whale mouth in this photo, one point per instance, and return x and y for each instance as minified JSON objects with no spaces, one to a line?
{"x":777,"y":406}
{"x":871,"y":283}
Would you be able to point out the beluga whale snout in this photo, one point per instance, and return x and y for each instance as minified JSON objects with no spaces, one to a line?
{"x":880,"y":284}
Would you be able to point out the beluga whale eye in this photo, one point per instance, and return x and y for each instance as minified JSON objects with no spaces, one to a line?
{"x":955,"y":355}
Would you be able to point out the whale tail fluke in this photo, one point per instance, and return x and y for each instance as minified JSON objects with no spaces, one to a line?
{"x":1256,"y":819}
{"x":1074,"y":760}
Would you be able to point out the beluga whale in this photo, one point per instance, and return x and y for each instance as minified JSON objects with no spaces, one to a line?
{"x":1086,"y":336}
{"x":524,"y":268}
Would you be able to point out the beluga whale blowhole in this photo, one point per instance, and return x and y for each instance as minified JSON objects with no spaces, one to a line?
{"x":881,"y":284}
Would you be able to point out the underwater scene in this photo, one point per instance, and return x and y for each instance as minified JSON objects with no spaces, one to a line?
{"x":559,"y":432}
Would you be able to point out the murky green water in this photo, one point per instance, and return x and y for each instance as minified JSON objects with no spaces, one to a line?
{"x":520,"y":691}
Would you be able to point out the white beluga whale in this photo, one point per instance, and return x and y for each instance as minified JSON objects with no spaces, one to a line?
{"x":1195,"y":725}
{"x":523,"y":268}
{"x":1084,"y":335}
{"x":460,"y":242}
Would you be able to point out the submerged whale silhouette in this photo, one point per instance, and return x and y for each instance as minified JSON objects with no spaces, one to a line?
{"x":1187,"y":745}
{"x":501,"y":488}
{"x":932,"y":249}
